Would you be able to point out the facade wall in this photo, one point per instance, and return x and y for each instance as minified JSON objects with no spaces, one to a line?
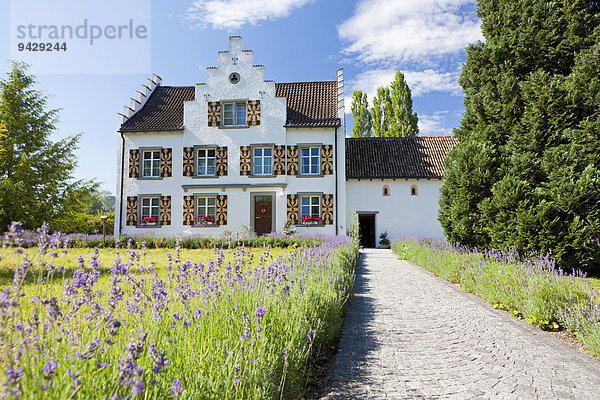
{"x":400,"y":213}
{"x":197,"y":132}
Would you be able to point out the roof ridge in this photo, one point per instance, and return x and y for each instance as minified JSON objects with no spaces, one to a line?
{"x":287,"y":83}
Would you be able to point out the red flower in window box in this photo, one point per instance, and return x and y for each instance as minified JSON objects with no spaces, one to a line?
{"x":148,"y":221}
{"x":308,"y":220}
{"x":204,"y":220}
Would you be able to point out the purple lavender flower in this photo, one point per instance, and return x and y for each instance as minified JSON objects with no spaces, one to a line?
{"x":260,"y":311}
{"x":176,"y":388}
{"x":49,"y":369}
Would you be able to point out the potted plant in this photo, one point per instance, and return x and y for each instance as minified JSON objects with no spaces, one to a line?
{"x":288,"y":230}
{"x":384,"y":242}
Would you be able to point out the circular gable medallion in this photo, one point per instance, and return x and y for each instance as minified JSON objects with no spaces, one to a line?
{"x":234,"y":77}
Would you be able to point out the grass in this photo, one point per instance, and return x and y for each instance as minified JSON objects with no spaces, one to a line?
{"x":152,"y":324}
{"x":68,"y":260}
{"x":531,"y":289}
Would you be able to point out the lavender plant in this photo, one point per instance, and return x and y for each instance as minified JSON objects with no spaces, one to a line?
{"x":244,"y":324}
{"x":531,"y":287}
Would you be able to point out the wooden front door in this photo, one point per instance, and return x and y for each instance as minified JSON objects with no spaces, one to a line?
{"x":262,"y":214}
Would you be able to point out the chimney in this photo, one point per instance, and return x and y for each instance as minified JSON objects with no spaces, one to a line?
{"x":340,"y":99}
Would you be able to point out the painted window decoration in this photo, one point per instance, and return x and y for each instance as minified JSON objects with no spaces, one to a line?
{"x":262,"y":161}
{"x":310,"y":160}
{"x":414,"y":190}
{"x":150,"y":211}
{"x":206,"y":159}
{"x":206,"y":211}
{"x":234,"y":114}
{"x":310,"y":210}
{"x":151,"y":164}
{"x":386,"y":190}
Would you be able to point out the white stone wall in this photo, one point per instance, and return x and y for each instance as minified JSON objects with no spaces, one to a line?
{"x":400,"y":213}
{"x":197,"y":132}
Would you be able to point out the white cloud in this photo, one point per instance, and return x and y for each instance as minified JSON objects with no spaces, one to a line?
{"x":409,"y":30}
{"x":233,"y":14}
{"x":434,"y":124}
{"x":420,"y":82}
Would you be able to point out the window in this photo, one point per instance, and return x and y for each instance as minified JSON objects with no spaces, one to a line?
{"x":310,"y":160}
{"x":206,"y":210}
{"x":310,"y":209}
{"x":206,"y":160}
{"x":386,"y":190}
{"x":263,"y":161}
{"x":414,"y":190}
{"x":234,"y":114}
{"x":150,"y":211}
{"x":151,"y":164}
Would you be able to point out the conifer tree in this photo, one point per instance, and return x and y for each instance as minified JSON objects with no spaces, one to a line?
{"x":525,"y":173}
{"x":361,"y":115}
{"x":36,"y":182}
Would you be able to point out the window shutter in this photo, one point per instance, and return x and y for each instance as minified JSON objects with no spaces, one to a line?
{"x":222,"y":209}
{"x":279,"y":160}
{"x":214,"y":113}
{"x":134,"y":163}
{"x":166,"y":163}
{"x":245,"y":161}
{"x":165,"y":210}
{"x":132,"y":210}
{"x":326,"y":159}
{"x":222,"y":161}
{"x":188,"y":161}
{"x":253,"y":112}
{"x":327,"y":209}
{"x":292,"y":208}
{"x":292,"y":160}
{"x":188,"y":210}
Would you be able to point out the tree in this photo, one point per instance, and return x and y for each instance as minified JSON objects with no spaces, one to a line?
{"x":525,"y":173}
{"x":36,"y":182}
{"x":361,"y":115}
{"x":392,"y":113}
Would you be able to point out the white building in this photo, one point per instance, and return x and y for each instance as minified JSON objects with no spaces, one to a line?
{"x":240,"y":150}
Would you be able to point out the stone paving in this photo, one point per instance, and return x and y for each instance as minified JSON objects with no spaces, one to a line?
{"x":410,"y":335}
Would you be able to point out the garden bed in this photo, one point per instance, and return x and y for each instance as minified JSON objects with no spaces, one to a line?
{"x":530,"y":288}
{"x":220,"y":323}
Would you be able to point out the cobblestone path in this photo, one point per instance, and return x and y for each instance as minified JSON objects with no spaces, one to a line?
{"x":410,"y":335}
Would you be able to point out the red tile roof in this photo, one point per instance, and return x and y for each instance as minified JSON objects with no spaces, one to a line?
{"x":310,"y":104}
{"x":402,"y":157}
{"x":163,"y":110}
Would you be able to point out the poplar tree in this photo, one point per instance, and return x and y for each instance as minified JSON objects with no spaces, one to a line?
{"x":392,"y":113}
{"x":361,"y":115}
{"x":525,"y":173}
{"x":36,"y":181}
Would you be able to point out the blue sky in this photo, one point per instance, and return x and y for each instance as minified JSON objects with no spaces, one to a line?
{"x":296,"y":40}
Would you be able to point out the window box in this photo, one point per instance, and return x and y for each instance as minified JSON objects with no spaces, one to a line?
{"x":204,"y":221}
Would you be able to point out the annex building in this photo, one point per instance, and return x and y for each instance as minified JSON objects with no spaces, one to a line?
{"x":239,"y":150}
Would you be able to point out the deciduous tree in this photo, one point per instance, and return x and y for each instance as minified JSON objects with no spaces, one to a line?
{"x":361,"y":115}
